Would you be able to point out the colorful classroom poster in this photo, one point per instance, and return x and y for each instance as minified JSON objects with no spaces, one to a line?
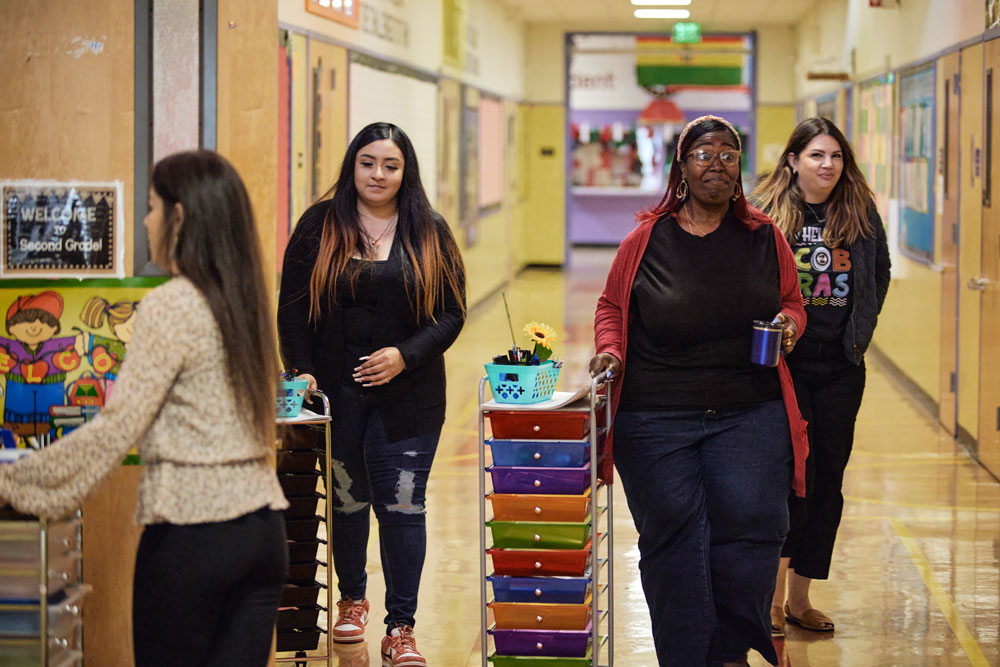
{"x":61,"y":350}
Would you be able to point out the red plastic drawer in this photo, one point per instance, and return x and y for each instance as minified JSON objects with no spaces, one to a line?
{"x":540,"y":562}
{"x":527,"y":425}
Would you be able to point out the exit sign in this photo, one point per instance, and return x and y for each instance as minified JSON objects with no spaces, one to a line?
{"x":687,"y":32}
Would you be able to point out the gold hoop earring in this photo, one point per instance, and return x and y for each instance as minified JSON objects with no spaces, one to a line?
{"x":682,"y":189}
{"x":738,"y":192}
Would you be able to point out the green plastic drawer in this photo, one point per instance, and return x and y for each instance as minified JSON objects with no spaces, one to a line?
{"x":539,"y":534}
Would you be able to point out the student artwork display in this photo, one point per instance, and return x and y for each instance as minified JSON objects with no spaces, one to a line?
{"x":916,"y":187}
{"x":62,"y":229}
{"x":61,"y":350}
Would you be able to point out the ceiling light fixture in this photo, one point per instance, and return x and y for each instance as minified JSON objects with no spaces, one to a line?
{"x":662,"y":14}
{"x":661,"y":3}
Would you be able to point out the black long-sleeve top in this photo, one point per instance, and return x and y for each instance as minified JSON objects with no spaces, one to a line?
{"x":376,"y":314}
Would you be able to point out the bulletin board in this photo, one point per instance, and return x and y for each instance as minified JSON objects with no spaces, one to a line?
{"x":382,"y":92}
{"x":61,"y":348}
{"x":491,"y":162}
{"x":873,"y":115}
{"x":916,"y":168}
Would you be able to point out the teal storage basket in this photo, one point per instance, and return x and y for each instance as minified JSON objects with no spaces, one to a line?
{"x":522,"y":384}
{"x":290,"y":396}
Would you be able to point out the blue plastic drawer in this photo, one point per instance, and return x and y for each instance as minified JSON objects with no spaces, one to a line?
{"x":540,"y":453}
{"x":564,"y":590}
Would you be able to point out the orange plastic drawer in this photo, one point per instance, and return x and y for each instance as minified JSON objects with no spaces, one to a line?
{"x":527,"y":425}
{"x":532,"y":616}
{"x":531,"y":507}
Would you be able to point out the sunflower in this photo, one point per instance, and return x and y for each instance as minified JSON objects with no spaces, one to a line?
{"x":540,"y":334}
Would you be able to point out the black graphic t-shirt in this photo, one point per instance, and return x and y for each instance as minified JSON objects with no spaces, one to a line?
{"x":825,"y":278}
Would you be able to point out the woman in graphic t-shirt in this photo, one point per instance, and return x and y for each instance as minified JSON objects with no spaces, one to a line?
{"x":819,"y":199}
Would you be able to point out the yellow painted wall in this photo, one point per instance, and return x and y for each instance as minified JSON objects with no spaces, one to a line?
{"x":909,"y":328}
{"x":543,"y":231}
{"x":879,"y":38}
{"x":488,"y":261}
{"x":774,"y":125}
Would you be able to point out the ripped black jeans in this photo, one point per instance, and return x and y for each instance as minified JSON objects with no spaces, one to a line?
{"x":369,"y":472}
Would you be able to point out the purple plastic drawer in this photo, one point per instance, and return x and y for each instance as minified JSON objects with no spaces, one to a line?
{"x":553,"y":643}
{"x":540,"y":480}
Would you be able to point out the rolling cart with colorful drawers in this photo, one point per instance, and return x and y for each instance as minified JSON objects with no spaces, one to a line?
{"x":41,"y":594}
{"x":302,"y":620}
{"x":552,"y":595}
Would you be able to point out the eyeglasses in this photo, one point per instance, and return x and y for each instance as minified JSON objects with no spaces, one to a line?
{"x":705,"y":158}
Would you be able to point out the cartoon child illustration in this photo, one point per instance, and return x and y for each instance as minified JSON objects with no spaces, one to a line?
{"x":106,"y":354}
{"x":35,"y":362}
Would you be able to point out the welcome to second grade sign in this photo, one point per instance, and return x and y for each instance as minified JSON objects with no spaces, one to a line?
{"x":61,"y":229}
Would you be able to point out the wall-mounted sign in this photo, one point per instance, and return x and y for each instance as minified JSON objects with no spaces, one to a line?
{"x":341,"y":11}
{"x":61,"y":229}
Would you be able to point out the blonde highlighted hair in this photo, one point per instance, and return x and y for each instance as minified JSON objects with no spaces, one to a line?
{"x":847,"y":213}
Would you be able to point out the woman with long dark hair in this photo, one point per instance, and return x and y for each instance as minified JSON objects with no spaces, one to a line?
{"x":195,"y":396}
{"x":372,"y":294}
{"x":819,"y":199}
{"x":707,"y":444}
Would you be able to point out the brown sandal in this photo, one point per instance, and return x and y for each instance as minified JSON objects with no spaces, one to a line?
{"x":813,"y":620}
{"x":777,"y":621}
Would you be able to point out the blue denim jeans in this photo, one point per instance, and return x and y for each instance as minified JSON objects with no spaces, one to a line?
{"x":708,"y":493}
{"x":369,"y":472}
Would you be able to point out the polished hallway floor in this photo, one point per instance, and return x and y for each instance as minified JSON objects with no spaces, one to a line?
{"x":916,"y":573}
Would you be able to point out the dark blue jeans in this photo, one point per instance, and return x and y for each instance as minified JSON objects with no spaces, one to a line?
{"x":708,"y":493}
{"x":369,"y":472}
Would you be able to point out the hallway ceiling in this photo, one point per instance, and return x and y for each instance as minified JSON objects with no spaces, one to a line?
{"x":617,"y":14}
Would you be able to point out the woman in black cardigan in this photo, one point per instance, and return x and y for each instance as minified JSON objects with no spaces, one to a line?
{"x":372,"y":294}
{"x":818,"y":197}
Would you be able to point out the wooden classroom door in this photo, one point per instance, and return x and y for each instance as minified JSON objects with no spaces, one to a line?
{"x":989,"y":278}
{"x":947,"y":223}
{"x":327,"y":114}
{"x":969,"y":240}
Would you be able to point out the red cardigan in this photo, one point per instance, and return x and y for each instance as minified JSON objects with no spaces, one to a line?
{"x":612,"y":317}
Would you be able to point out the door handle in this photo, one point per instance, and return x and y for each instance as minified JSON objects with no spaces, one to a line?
{"x":978,"y":284}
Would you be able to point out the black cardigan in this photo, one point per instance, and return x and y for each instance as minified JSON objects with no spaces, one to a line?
{"x":413,"y":402}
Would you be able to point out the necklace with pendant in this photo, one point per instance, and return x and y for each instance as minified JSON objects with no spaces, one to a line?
{"x":373,"y":245}
{"x":815,"y":214}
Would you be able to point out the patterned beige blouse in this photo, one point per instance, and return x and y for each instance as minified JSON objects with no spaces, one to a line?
{"x":172,"y":400}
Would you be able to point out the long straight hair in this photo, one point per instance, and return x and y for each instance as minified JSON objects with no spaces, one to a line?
{"x":848,"y":205}
{"x":217,"y":249}
{"x":671,"y":203}
{"x":432,"y":261}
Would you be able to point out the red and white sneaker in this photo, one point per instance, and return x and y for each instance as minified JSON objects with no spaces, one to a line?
{"x":399,"y":649}
{"x":351,"y":620}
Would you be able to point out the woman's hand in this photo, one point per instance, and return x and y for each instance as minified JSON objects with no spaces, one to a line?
{"x":379,"y":367}
{"x":604,"y":362}
{"x":788,"y":331}
{"x":310,"y":388}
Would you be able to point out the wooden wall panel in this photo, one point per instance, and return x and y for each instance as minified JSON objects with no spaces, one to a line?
{"x":110,"y":540}
{"x":247,"y":113}
{"x":66,"y":94}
